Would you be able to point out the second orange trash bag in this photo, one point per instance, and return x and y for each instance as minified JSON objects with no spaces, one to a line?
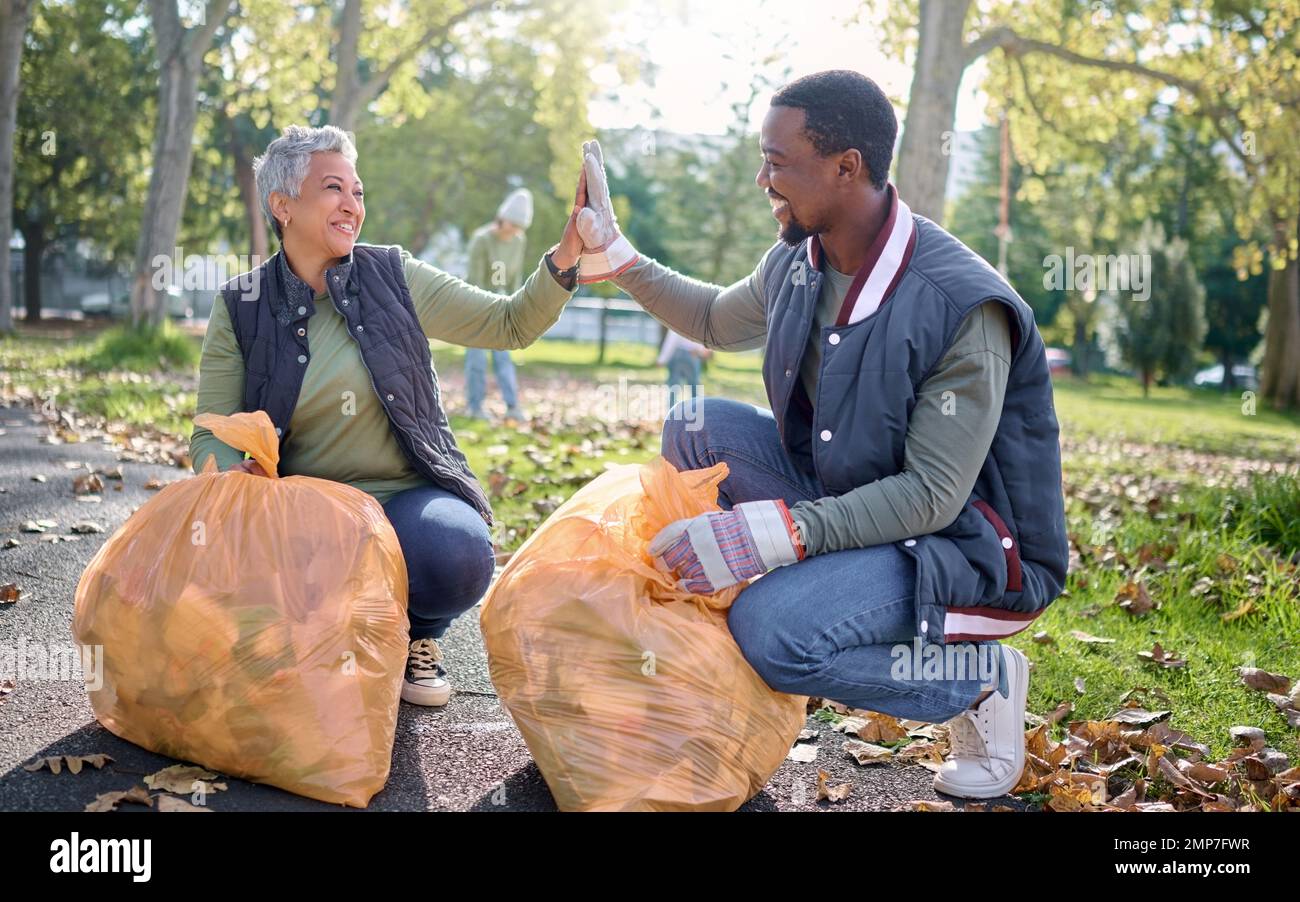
{"x":631,"y":694}
{"x":256,"y":626}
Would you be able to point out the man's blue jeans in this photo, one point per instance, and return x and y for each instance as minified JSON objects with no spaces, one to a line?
{"x":839,"y":625}
{"x":449,"y":556}
{"x":476,"y":378}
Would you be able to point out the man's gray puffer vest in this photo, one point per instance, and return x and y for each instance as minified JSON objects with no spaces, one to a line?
{"x":269,"y":309}
{"x":1003,"y":560}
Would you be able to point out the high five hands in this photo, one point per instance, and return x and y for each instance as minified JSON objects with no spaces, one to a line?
{"x":604,"y":252}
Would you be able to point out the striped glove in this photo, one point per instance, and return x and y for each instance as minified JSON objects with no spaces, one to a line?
{"x":610,"y":252}
{"x":715,"y":550}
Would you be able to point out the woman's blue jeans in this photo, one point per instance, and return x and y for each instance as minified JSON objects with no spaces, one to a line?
{"x":449,"y":556}
{"x":840,"y":625}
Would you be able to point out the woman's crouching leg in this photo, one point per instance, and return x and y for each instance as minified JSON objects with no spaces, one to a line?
{"x":449,"y":556}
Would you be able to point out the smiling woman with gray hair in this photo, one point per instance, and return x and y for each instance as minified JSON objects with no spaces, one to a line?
{"x":330,"y":338}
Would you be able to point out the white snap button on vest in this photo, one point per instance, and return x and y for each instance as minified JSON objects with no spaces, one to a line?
{"x":390,"y":397}
{"x":302,"y":310}
{"x":277,"y":430}
{"x":361,"y":328}
{"x":302,"y":358}
{"x":1006,"y":542}
{"x":787,"y":374}
{"x":835,"y":338}
{"x":826,"y":435}
{"x":910,"y":542}
{"x":302,"y":331}
{"x":336,"y":278}
{"x":925,"y":626}
{"x":345,"y":302}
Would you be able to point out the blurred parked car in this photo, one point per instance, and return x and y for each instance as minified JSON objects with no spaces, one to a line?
{"x":1058,"y":360}
{"x":1243,"y":376}
{"x":98,"y":304}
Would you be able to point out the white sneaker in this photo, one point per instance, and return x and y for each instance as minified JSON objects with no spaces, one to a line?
{"x":987,"y":744}
{"x":425,"y":682}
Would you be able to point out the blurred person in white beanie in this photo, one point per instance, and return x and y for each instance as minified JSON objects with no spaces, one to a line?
{"x":496,"y":262}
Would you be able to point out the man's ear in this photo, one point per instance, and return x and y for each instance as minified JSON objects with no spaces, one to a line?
{"x":851,"y":165}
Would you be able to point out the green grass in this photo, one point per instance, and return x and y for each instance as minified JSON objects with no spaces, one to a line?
{"x":1193,"y":419}
{"x":1186,"y":492}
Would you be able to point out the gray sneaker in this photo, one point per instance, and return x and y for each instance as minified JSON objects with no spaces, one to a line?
{"x":425,"y":682}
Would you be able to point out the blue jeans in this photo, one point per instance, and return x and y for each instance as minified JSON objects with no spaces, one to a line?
{"x":839,"y":625}
{"x":449,"y":556}
{"x":476,"y":378}
{"x":683,"y":376}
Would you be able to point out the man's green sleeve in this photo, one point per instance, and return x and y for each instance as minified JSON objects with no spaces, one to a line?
{"x":727,"y":319}
{"x":957,"y":411}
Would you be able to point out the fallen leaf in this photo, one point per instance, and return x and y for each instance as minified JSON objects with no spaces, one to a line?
{"x":87,"y":485}
{"x":38,"y":478}
{"x":174,"y":803}
{"x":1242,"y":610}
{"x":1158,"y":655}
{"x":1090,"y":639}
{"x":1133,"y":597}
{"x":803,"y":754}
{"x":1062,"y":710}
{"x":1042,"y":638}
{"x":87,"y":526}
{"x":929,"y":805}
{"x":831,"y":793}
{"x":9,"y":593}
{"x":1138,"y":716}
{"x":1246,"y":735}
{"x":881,"y":728}
{"x":1254,"y":678}
{"x":866,"y":752}
{"x":181,"y":778}
{"x":74,"y":763}
{"x":12,"y":543}
{"x":108,"y":801}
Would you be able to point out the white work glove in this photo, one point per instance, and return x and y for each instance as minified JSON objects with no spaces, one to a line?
{"x":712,"y":551}
{"x":611,"y":253}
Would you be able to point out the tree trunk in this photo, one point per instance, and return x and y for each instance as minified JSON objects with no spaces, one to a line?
{"x":1280,"y":384}
{"x":258,"y":244}
{"x":173,"y":153}
{"x":1079,"y":357}
{"x":1229,"y":383}
{"x":13,"y":25}
{"x":346,"y":101}
{"x":33,"y":255}
{"x":180,"y":56}
{"x":1146,"y":383}
{"x":923,"y":156}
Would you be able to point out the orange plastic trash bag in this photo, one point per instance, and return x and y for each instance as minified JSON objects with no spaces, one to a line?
{"x":256,"y":626}
{"x":631,"y":694}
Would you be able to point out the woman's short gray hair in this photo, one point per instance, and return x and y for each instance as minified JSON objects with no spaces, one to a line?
{"x":284,"y":165}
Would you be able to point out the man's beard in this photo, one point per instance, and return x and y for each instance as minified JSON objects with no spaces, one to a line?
{"x":793,"y":232}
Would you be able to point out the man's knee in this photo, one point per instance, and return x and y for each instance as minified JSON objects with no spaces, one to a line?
{"x":680,"y":442}
{"x":771,"y":650}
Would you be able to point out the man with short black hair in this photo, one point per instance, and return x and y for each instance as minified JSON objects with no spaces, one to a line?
{"x":901,"y":501}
